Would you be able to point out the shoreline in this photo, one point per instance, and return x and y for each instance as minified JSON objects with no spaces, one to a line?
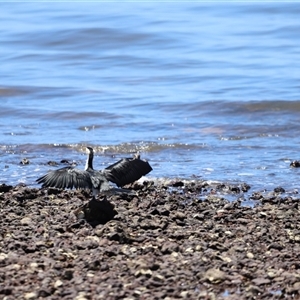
{"x":165,"y":241}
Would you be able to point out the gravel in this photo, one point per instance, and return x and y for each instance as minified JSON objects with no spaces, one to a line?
{"x":167,"y":240}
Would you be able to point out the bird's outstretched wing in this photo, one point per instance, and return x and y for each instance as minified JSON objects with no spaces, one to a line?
{"x":127,"y":170}
{"x":67,"y":177}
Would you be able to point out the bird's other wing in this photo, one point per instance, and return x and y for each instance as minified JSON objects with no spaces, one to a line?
{"x":67,"y":177}
{"x":127,"y":170}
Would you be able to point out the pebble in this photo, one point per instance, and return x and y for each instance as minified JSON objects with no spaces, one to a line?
{"x":26,"y":221}
{"x":31,"y":295}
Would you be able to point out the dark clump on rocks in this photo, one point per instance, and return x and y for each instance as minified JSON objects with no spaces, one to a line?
{"x":176,"y":240}
{"x":96,"y":212}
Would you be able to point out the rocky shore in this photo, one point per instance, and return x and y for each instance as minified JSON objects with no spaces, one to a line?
{"x":168,"y":240}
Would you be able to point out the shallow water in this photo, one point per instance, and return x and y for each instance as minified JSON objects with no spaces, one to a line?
{"x":207,"y":90}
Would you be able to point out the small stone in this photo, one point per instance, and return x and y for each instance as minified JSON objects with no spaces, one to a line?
{"x":184,"y":294}
{"x":179,"y":215}
{"x":158,"y":277}
{"x":271,"y":274}
{"x":215,"y":275}
{"x":3,"y":256}
{"x":58,"y":283}
{"x":31,"y":295}
{"x":198,"y":248}
{"x":81,"y":296}
{"x":26,"y":221}
{"x":250,"y":255}
{"x":146,"y":272}
{"x":169,"y":247}
{"x":189,"y":250}
{"x":34,"y":265}
{"x":14,"y":267}
{"x":261,"y":281}
{"x":226,"y":258}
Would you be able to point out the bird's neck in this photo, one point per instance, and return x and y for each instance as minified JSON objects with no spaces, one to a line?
{"x":89,"y":162}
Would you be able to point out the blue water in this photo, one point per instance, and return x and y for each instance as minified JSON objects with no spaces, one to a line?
{"x":201,"y":89}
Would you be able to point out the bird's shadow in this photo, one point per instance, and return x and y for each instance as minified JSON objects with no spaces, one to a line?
{"x":96,"y":212}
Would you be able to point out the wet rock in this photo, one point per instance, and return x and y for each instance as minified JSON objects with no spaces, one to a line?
{"x":245,"y":187}
{"x":52,"y":163}
{"x":279,"y":190}
{"x":295,"y":164}
{"x":25,"y":161}
{"x":256,"y":196}
{"x":235,"y":189}
{"x":66,"y":162}
{"x":178,"y":184}
{"x":5,"y":188}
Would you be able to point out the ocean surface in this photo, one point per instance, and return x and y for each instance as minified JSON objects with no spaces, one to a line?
{"x":207,"y":91}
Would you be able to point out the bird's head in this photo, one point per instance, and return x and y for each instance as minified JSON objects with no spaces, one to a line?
{"x":89,"y":150}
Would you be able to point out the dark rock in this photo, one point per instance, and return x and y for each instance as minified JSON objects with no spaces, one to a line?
{"x":67,"y":274}
{"x":178,"y":184}
{"x":52,"y":163}
{"x":279,"y":190}
{"x":169,"y":247}
{"x":66,"y":162}
{"x":295,"y":164}
{"x":245,"y":187}
{"x":24,"y":161}
{"x":276,"y":246}
{"x":5,"y":188}
{"x":43,"y":293}
{"x":235,"y":189}
{"x":5,"y":291}
{"x":53,"y":191}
